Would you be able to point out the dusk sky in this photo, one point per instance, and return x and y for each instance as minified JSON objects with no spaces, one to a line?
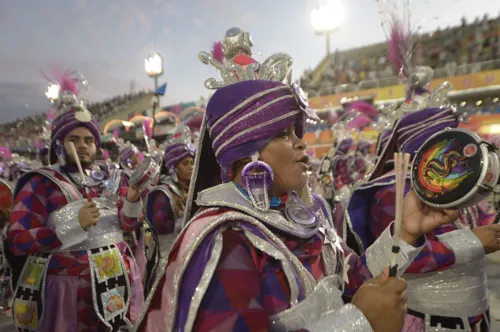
{"x":107,"y":40}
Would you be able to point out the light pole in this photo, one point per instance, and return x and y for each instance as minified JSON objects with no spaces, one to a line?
{"x":154,"y":68}
{"x":327,"y":19}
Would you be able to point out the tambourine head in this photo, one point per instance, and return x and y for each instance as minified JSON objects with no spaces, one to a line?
{"x":449,"y":167}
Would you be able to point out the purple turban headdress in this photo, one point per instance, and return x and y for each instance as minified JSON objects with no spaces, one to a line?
{"x":243,"y":117}
{"x":69,"y":120}
{"x":125,"y":154}
{"x":174,"y":153}
{"x":43,"y":150}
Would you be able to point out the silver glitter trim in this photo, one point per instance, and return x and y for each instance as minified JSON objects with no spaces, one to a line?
{"x":227,"y":195}
{"x":429,"y":328}
{"x":246,"y":116}
{"x":378,"y":255}
{"x":459,"y":291}
{"x":259,"y":126}
{"x":346,"y":319}
{"x":204,"y":282}
{"x":67,"y":226}
{"x":268,"y":248}
{"x":132,"y":209}
{"x":107,"y":231}
{"x":194,"y":176}
{"x":325,"y":297}
{"x":245,"y":103}
{"x":465,"y":245}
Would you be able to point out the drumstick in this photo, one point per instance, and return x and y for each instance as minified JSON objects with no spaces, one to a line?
{"x":401,"y":163}
{"x":84,"y":177}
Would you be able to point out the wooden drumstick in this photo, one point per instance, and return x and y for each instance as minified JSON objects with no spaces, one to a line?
{"x":84,"y":177}
{"x":401,"y":163}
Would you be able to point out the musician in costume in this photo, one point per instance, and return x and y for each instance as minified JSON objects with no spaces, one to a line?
{"x":79,"y":274}
{"x":166,"y":202}
{"x":43,"y":155}
{"x":260,"y":254}
{"x":446,"y":282}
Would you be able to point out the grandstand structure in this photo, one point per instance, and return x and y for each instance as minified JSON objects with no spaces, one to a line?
{"x":467,"y":56}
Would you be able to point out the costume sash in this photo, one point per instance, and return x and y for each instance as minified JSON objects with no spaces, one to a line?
{"x":110,"y":286}
{"x":30,"y":293}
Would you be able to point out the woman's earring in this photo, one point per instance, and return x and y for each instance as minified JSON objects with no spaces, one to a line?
{"x":60,"y":154}
{"x":257,"y":178}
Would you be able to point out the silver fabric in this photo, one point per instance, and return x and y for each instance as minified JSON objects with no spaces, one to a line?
{"x":107,"y":231}
{"x":227,"y":195}
{"x":459,"y":291}
{"x":325,"y":297}
{"x":166,"y":242}
{"x":346,"y":319}
{"x":132,"y":210}
{"x":378,"y":255}
{"x":465,"y":245}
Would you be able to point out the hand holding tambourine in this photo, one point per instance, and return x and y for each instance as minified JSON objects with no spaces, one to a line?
{"x":141,"y":178}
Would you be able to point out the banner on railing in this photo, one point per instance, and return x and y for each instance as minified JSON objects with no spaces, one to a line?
{"x":463,"y":82}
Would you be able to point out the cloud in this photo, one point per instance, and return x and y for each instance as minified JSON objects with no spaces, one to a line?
{"x":170,"y":9}
{"x":198,"y":22}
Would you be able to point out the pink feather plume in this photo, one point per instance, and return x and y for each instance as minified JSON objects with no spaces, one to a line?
{"x":105,"y":154}
{"x":397,"y":23}
{"x":116,"y":134}
{"x":65,"y":78}
{"x":5,"y":152}
{"x":36,"y":143}
{"x":362,"y":107}
{"x":148,"y":131}
{"x":217,"y":52}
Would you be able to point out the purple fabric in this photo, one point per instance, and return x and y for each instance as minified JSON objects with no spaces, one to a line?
{"x":174,"y":153}
{"x":66,"y":122}
{"x":426,"y":119}
{"x":364,"y":146}
{"x":43,"y":150}
{"x":124,"y":156}
{"x":344,"y":145}
{"x":227,"y":98}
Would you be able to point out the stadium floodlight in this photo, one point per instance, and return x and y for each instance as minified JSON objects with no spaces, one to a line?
{"x":327,"y":19}
{"x":154,"y":68}
{"x":52,"y":93}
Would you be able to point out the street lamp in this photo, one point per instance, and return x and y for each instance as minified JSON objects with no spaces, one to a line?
{"x":52,"y":93}
{"x":154,"y":68}
{"x":327,"y":19}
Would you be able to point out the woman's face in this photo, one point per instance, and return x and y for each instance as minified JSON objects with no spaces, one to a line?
{"x":185,"y":169}
{"x":286,"y":155}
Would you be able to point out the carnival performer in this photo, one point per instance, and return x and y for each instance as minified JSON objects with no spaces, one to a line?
{"x":166,"y":202}
{"x":79,"y":274}
{"x":446,"y":282}
{"x":261,"y":253}
{"x":43,"y":155}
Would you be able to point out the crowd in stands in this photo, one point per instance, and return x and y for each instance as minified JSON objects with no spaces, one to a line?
{"x":451,"y":51}
{"x":21,"y":133}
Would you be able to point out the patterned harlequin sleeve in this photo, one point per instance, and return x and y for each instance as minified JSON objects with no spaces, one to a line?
{"x":235,"y":298}
{"x":435,"y":256}
{"x":130,"y":212}
{"x":484,"y":218}
{"x":160,"y":213}
{"x":28,"y":233}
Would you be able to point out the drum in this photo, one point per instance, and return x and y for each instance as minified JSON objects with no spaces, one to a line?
{"x":144,"y":174}
{"x":454,"y":168}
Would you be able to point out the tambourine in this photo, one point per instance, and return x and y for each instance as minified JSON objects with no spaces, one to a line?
{"x":144,"y":174}
{"x":454,"y":168}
